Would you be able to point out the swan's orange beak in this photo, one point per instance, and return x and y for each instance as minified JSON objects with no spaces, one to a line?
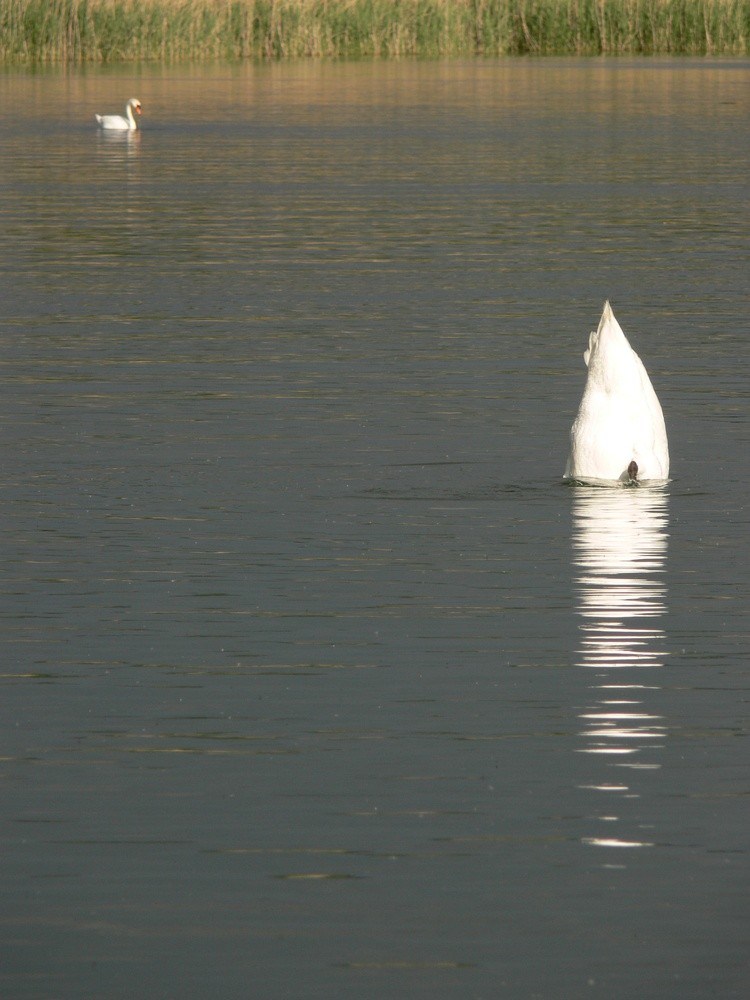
{"x":137,"y":109}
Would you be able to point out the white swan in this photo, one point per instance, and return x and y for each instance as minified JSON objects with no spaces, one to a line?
{"x":126,"y":124}
{"x":618,"y":433}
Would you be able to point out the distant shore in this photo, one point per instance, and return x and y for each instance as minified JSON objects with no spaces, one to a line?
{"x":48,"y":32}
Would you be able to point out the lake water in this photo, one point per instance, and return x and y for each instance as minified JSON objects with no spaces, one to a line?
{"x":317,"y":681}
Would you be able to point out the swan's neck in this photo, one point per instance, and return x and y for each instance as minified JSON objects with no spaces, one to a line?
{"x":131,"y":119}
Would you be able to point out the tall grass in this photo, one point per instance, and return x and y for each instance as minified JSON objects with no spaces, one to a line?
{"x":79,"y":31}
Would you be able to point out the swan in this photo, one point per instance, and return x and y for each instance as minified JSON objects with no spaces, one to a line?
{"x":126,"y":124}
{"x":618,"y":434}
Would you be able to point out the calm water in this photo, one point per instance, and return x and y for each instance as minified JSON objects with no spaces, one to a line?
{"x":316,"y":681}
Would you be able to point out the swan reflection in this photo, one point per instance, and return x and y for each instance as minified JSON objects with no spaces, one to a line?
{"x":118,"y":146}
{"x":619,"y":556}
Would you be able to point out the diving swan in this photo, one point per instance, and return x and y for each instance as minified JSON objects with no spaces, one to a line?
{"x":126,"y":124}
{"x":618,"y":434}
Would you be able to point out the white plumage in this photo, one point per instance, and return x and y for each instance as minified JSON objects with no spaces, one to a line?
{"x":126,"y":124}
{"x":620,"y":420}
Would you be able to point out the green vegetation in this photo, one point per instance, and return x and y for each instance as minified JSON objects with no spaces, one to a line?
{"x":80,"y":31}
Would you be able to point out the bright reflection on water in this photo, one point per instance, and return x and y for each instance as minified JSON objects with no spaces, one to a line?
{"x":620,"y":548}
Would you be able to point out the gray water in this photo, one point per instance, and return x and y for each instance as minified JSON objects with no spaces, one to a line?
{"x":316,"y":680}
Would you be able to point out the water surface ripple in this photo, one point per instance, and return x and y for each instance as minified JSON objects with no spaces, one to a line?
{"x":317,"y":680}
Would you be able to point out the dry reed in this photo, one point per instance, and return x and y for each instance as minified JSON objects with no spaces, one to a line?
{"x":83,"y":31}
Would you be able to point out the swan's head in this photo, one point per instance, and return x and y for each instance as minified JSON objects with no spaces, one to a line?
{"x":135,"y":104}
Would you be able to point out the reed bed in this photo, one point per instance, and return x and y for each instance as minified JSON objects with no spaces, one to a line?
{"x":107,"y":31}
